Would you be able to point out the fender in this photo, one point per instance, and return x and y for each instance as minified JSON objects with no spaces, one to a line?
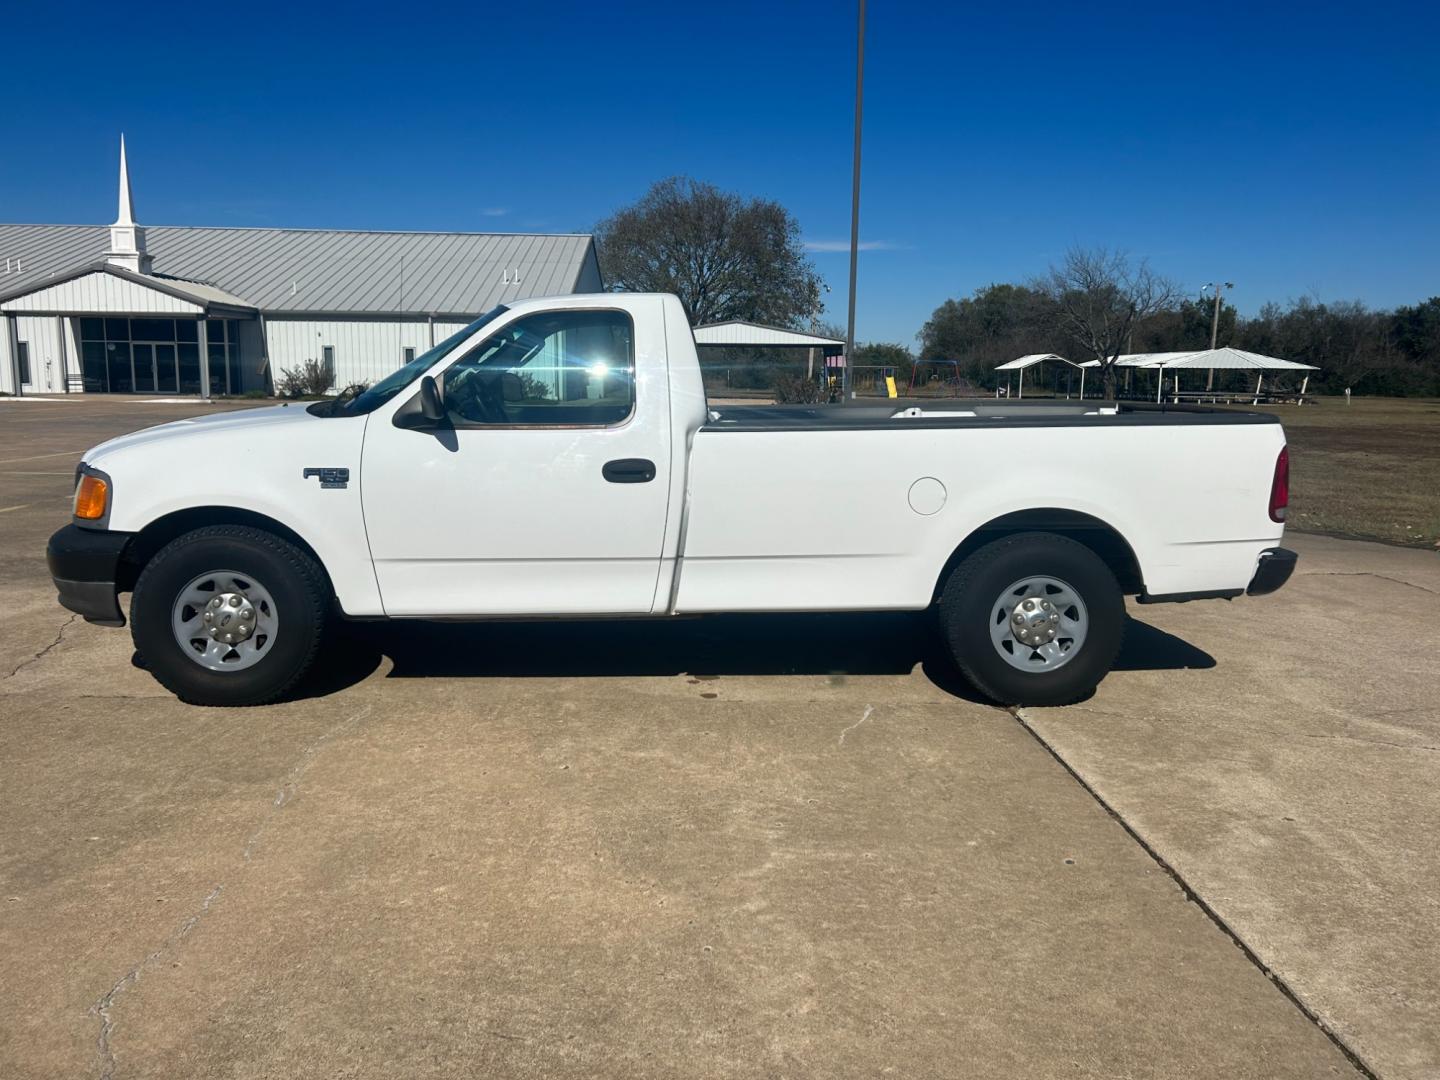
{"x":279,"y":464}
{"x":1018,"y":514}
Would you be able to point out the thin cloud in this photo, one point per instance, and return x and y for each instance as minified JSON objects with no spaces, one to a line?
{"x":495,"y":211}
{"x":844,"y":245}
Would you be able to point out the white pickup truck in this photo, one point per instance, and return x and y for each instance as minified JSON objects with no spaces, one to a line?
{"x":558,"y":458}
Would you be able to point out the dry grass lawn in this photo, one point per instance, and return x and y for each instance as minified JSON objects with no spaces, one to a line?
{"x":1370,"y":469}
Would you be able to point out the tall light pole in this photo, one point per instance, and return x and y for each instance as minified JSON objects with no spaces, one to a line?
{"x":1214,"y":322}
{"x":854,"y":205}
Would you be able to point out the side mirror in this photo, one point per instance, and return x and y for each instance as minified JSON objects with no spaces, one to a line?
{"x":424,"y":411}
{"x":431,"y":407}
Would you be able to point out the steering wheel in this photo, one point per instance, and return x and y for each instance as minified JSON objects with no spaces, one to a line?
{"x":477,"y":396}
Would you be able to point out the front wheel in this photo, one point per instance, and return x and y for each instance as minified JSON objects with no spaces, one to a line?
{"x":229,"y":615}
{"x":1033,"y":619}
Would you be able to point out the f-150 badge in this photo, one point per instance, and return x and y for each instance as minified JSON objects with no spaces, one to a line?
{"x":330,"y":478}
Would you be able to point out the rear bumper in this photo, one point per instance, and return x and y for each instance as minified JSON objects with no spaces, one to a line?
{"x":1272,"y":571}
{"x":85,"y":566}
{"x":1276,"y":566}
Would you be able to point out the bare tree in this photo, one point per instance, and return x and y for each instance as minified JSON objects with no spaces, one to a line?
{"x":1098,"y":297}
{"x":724,"y":256}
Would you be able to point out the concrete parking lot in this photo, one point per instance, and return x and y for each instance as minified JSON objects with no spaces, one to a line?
{"x":737,"y":847}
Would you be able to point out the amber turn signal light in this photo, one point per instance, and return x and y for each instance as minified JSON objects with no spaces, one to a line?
{"x":91,"y":497}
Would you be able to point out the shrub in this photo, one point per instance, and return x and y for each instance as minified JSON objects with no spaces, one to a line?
{"x":798,"y":390}
{"x":532,"y":388}
{"x":313,"y":379}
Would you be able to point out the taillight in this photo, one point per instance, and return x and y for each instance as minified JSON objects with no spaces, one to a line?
{"x":1280,"y":486}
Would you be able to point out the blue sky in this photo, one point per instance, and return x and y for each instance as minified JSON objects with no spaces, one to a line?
{"x":1291,"y":151}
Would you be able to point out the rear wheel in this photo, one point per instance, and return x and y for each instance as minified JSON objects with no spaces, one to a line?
{"x":229,"y":615}
{"x":1033,"y":619}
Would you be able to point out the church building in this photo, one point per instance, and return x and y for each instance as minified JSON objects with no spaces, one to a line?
{"x":195,"y":311}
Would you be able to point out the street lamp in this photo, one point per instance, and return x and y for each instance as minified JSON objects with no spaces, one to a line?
{"x":854,"y":205}
{"x":1215,"y":320}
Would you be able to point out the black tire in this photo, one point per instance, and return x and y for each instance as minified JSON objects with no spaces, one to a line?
{"x":291,"y":575}
{"x":967,"y":604}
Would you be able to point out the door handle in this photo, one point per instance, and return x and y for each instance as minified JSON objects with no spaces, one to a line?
{"x":630,"y":470}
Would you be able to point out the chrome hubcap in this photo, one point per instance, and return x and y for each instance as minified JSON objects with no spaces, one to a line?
{"x":225,"y":621}
{"x":1038,"y":624}
{"x":229,"y":617}
{"x":1035,"y":621}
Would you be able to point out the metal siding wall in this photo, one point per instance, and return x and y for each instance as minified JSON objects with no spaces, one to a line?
{"x":589,"y":279}
{"x":7,"y":365}
{"x":47,"y":373}
{"x":445,"y":329}
{"x":365,"y":349}
{"x":100,"y":292}
{"x":71,"y":342}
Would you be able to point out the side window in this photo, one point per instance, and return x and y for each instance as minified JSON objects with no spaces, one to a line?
{"x":555,"y":368}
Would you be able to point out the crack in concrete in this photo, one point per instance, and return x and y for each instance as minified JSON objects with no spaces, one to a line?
{"x":102,"y":1009}
{"x":1368,"y":573}
{"x":1357,"y":738}
{"x":292,"y":779}
{"x":865,"y":716}
{"x":58,"y":638}
{"x":1199,"y":901}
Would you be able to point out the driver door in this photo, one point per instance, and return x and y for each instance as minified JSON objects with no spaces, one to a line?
{"x":545,"y":489}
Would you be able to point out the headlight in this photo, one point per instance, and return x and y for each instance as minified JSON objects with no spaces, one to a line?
{"x":92,"y":498}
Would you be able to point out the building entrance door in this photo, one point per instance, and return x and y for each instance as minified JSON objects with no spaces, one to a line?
{"x":154,"y":368}
{"x":165,"y":377}
{"x":143,"y":366}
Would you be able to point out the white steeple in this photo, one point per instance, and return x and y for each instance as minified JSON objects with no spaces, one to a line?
{"x":127,"y":239}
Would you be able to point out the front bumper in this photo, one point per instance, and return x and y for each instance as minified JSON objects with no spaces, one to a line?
{"x":85,"y":565}
{"x":1276,"y":566}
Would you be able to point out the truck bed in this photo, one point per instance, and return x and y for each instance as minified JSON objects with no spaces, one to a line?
{"x":932,"y":413}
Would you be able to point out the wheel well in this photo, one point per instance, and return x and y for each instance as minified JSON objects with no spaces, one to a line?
{"x":1102,"y":539}
{"x":148,"y":541}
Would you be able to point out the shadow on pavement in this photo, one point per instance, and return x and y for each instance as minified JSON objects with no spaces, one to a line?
{"x":1147,"y":648}
{"x":887,"y":643}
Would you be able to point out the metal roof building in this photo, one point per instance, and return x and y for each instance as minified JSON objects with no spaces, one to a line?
{"x":736,"y":332}
{"x":126,"y":308}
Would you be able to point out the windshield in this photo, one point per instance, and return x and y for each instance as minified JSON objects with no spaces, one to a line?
{"x":371,"y":399}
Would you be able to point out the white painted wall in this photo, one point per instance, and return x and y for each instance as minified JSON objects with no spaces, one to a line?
{"x":47,"y":370}
{"x":101,"y":292}
{"x":365,"y":349}
{"x":589,"y":279}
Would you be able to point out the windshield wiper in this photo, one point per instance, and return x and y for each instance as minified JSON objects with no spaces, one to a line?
{"x":335,"y":406}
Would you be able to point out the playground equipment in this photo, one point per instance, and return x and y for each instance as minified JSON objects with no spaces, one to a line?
{"x":942,"y":374}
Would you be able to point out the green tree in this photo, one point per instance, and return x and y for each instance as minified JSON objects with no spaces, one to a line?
{"x":886,"y":355}
{"x":1186,"y":327}
{"x":724,"y":256}
{"x":995,"y":324}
